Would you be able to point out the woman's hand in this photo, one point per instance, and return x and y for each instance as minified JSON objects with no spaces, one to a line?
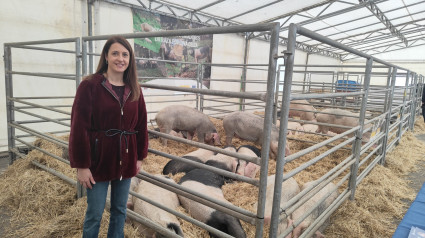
{"x":85,"y":177}
{"x":139,"y":166}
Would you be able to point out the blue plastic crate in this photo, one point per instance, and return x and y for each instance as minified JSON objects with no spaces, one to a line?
{"x":347,"y":86}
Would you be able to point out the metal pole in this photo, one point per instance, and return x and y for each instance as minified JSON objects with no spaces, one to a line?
{"x":400,"y":128}
{"x":334,"y":81}
{"x":284,"y":112}
{"x":200,"y":96}
{"x":243,"y":77}
{"x":188,"y":32}
{"x":358,"y":142}
{"x":386,"y":108}
{"x":200,"y":76}
{"x":84,"y":57}
{"x":81,"y":191}
{"x":77,"y":62}
{"x":415,"y":90}
{"x":90,"y":32}
{"x":419,"y":99}
{"x":9,"y":103}
{"x":305,"y":69}
{"x":271,"y":77}
{"x":388,"y":117}
{"x":276,"y":96}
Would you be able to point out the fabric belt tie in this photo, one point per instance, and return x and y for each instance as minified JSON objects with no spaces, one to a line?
{"x":114,"y":132}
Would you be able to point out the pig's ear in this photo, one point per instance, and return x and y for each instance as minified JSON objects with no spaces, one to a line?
{"x":273,"y":150}
{"x":251,"y":170}
{"x":287,"y":151}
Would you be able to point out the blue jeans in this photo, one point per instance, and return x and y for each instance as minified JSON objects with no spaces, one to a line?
{"x":96,"y":199}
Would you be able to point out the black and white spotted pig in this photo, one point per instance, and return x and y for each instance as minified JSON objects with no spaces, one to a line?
{"x":174,"y":166}
{"x":163,"y":218}
{"x":209,"y":184}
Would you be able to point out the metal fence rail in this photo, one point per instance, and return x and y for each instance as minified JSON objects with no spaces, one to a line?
{"x":390,"y":111}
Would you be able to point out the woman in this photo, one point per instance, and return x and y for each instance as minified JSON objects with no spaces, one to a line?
{"x":108,"y":138}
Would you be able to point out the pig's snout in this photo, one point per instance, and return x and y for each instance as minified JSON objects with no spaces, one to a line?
{"x":216,"y":139}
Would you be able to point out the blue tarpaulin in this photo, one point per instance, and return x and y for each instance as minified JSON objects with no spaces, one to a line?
{"x":414,"y":217}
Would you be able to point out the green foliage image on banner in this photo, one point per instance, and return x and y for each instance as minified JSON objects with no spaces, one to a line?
{"x":147,"y":23}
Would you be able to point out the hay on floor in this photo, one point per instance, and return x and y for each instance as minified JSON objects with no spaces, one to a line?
{"x":44,"y":205}
{"x":380,"y":197}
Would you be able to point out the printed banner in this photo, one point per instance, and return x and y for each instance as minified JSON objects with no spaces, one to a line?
{"x":182,"y":49}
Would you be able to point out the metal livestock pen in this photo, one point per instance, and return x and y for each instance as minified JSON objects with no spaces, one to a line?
{"x":390,"y":111}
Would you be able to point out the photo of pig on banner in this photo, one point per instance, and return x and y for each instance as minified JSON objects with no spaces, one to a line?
{"x":170,"y":57}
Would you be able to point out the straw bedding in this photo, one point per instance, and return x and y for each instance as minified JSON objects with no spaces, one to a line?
{"x":43,"y":205}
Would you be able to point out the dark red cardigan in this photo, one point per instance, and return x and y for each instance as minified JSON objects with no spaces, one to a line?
{"x":97,"y":109}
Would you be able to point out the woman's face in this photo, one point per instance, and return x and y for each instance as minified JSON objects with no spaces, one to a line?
{"x":118,"y":58}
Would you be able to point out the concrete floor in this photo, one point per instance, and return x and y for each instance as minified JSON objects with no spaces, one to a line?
{"x":4,"y":162}
{"x":417,"y":178}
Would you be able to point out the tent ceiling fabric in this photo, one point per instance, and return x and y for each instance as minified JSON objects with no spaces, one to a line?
{"x":372,"y":26}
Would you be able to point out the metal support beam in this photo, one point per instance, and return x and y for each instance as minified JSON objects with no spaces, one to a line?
{"x":311,"y":49}
{"x":381,"y":16}
{"x":10,"y":113}
{"x":359,"y":135}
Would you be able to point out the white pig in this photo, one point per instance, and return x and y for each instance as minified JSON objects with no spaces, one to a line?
{"x":309,"y":204}
{"x":309,"y":128}
{"x":230,"y":163}
{"x":245,"y":168}
{"x":133,"y":185}
{"x":178,"y":134}
{"x":163,"y":218}
{"x":290,"y":188}
{"x":294,"y":128}
{"x":249,"y":127}
{"x":183,"y":118}
{"x":303,"y":105}
{"x":341,"y":117}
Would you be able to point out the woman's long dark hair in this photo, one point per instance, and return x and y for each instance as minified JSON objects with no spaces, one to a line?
{"x":130,"y":74}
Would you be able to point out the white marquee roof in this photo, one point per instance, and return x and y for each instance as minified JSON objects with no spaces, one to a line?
{"x":372,"y":26}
